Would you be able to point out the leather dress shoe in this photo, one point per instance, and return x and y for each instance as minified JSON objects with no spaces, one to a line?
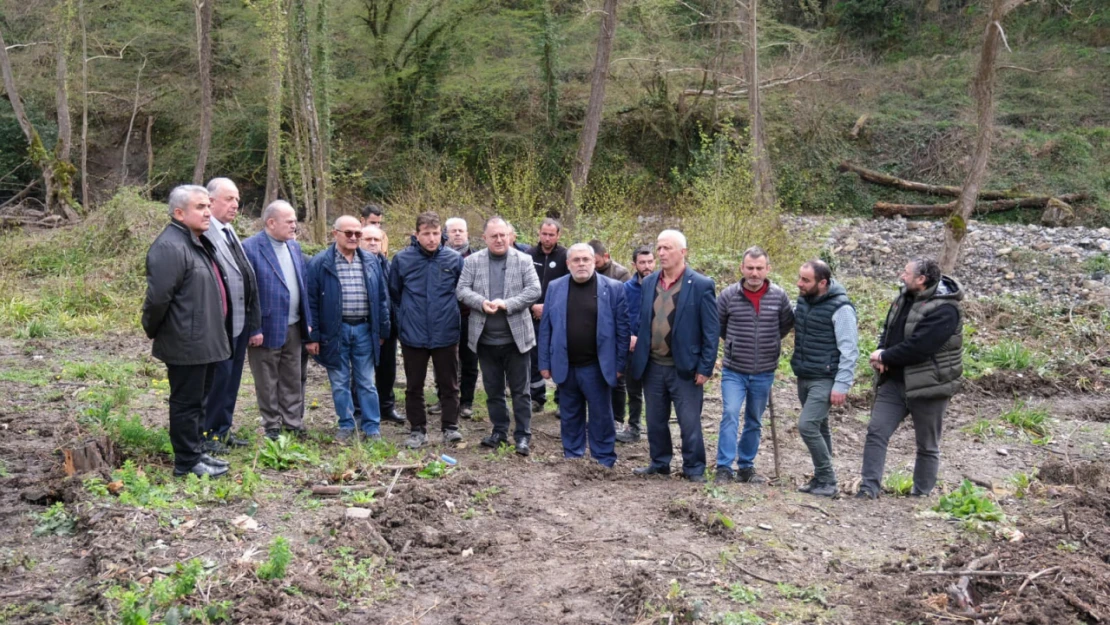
{"x":652,"y":470}
{"x":524,"y":446}
{"x":201,"y":469}
{"x":213,"y":462}
{"x":394,"y":418}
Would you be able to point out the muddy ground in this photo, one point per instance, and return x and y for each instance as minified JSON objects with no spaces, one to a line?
{"x":505,"y":539}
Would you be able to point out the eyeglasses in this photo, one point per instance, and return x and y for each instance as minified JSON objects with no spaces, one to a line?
{"x":350,"y":234}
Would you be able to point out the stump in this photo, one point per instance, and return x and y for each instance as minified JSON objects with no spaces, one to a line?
{"x":91,"y":454}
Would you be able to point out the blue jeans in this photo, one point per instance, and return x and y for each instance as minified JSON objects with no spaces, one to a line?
{"x":751,"y":391}
{"x":356,"y":354}
{"x":662,"y":388}
{"x":585,"y":389}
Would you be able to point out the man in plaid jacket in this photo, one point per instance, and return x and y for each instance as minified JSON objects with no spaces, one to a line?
{"x":499,"y":285}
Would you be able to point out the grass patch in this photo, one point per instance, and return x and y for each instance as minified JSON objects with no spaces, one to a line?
{"x":1032,"y":420}
{"x":745,"y":617}
{"x":985,"y":428}
{"x":809,"y":594}
{"x":743,"y":594}
{"x":1010,"y":355}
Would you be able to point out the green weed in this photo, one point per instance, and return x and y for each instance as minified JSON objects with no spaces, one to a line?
{"x":360,"y":497}
{"x":898,"y":483}
{"x":745,"y":617}
{"x":1098,"y":262}
{"x":55,"y":522}
{"x":809,"y":594}
{"x":3,"y":469}
{"x":485,"y":494}
{"x":139,"y":490}
{"x":1022,"y":482}
{"x":283,"y":454}
{"x":742,"y":594}
{"x":1011,"y":355}
{"x":279,"y":558}
{"x":969,"y":502}
{"x":433,"y":470}
{"x":503,"y":452}
{"x":159,"y":601}
{"x":984,"y":428}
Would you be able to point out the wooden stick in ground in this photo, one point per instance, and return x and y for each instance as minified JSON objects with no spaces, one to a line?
{"x":1034,"y":576}
{"x":774,"y":430}
{"x":958,"y":591}
{"x":396,"y":476}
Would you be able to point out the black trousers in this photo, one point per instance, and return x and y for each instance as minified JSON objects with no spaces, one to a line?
{"x":468,"y":367}
{"x":445,"y":364}
{"x":501,"y":364}
{"x":189,"y":387}
{"x":227,"y":376}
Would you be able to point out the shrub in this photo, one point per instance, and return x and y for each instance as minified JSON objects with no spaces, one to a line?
{"x":279,"y":558}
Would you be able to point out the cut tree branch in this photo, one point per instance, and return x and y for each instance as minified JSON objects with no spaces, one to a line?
{"x":887,"y":209}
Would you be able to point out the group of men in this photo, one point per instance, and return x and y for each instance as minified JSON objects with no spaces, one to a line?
{"x":569,"y":315}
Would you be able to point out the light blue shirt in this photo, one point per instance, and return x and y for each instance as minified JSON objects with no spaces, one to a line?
{"x":285,"y":260}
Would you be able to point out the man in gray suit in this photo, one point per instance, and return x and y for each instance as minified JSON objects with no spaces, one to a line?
{"x":246,"y":317}
{"x":499,"y":286}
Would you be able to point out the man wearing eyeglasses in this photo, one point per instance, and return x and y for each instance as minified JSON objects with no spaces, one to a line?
{"x":347,"y":298}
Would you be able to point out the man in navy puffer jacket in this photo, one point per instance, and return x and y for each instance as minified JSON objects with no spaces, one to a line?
{"x":422,"y":281}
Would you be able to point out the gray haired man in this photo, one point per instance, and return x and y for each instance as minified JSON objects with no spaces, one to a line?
{"x":185,"y":312}
{"x":246,"y":317}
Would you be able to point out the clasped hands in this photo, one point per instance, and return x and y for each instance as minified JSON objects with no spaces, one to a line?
{"x":491,"y":308}
{"x":876,"y":360}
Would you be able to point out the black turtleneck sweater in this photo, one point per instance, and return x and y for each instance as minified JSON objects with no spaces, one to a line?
{"x":582,"y":322}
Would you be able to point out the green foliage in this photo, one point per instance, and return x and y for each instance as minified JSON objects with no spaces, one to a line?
{"x":1030,"y":419}
{"x":984,"y":428}
{"x":55,"y":522}
{"x":1098,"y":262}
{"x":283,"y":454}
{"x":745,"y":617}
{"x":809,"y":594}
{"x":882,"y":23}
{"x":140,"y":489}
{"x":1010,"y":354}
{"x":434,"y":470}
{"x":969,"y":502}
{"x":743,"y":594}
{"x":486,"y":494}
{"x":1022,"y":482}
{"x":898,"y":483}
{"x":279,"y":558}
{"x":160,"y":601}
{"x":360,"y":497}
{"x":503,"y":453}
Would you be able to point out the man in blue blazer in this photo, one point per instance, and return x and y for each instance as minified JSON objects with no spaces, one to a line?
{"x":347,"y":298}
{"x":583,"y":346}
{"x":286,"y":320}
{"x":675,"y":354}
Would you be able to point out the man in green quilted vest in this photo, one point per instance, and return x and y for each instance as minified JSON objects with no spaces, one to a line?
{"x":920,"y":367}
{"x":825,"y":351}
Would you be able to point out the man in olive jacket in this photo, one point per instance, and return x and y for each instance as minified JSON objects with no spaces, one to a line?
{"x":186,"y":313}
{"x":920,"y":367}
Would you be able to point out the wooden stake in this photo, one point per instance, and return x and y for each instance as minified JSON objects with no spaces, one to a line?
{"x":774,"y":430}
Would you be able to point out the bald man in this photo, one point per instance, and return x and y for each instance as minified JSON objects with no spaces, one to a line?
{"x":347,"y":298}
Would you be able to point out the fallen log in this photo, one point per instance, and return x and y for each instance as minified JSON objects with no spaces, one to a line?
{"x":889,"y":209}
{"x":886,"y":180}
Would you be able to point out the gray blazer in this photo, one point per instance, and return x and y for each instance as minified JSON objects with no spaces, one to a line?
{"x":241,"y":282}
{"x":522,"y":289}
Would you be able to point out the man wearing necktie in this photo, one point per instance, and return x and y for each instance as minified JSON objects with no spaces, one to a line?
{"x":245,"y":317}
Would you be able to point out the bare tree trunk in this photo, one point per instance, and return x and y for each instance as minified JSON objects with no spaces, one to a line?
{"x":273,"y":20}
{"x":318,"y":220}
{"x":203,"y":10}
{"x":55,"y":172}
{"x":131,"y":126}
{"x":761,"y":159}
{"x":61,"y":96}
{"x":955,"y":228}
{"x":580,"y":172}
{"x":84,"y":106}
{"x":149,"y":153}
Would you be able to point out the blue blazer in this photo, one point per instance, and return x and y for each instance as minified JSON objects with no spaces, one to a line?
{"x":612,"y":329}
{"x":696,"y":328}
{"x":273,"y":294}
{"x":325,"y":300}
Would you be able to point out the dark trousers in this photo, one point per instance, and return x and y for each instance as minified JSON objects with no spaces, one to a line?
{"x":468,"y":367}
{"x":813,"y":425}
{"x":635,"y":390}
{"x":587,"y":402}
{"x":445,"y":363}
{"x":226,"y":377}
{"x":189,"y":386}
{"x":662,"y":389}
{"x":891,"y":408}
{"x":620,"y":395}
{"x":385,"y":376}
{"x":538,"y":384}
{"x":501,"y":364}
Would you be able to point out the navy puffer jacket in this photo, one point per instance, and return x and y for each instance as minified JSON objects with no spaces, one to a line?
{"x":423,"y":285}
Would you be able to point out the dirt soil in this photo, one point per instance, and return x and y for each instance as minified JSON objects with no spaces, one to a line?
{"x":506,"y":539}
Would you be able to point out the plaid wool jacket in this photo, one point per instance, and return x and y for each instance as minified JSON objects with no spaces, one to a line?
{"x":522,"y":289}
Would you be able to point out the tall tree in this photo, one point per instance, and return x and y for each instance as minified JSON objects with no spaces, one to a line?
{"x":57,"y":174}
{"x":310,"y":121}
{"x":85,"y":104}
{"x":204,"y":10}
{"x":548,"y":43}
{"x":272,"y":20}
{"x":587,"y":141}
{"x":955,"y":228}
{"x":761,"y":160}
{"x":323,"y":72}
